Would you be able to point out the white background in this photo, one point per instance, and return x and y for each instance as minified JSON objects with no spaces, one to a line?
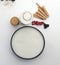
{"x":51,"y":54}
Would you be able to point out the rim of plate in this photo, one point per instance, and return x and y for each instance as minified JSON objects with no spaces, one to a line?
{"x":36,"y":55}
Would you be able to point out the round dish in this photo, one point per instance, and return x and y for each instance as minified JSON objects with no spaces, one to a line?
{"x":26,"y":17}
{"x":14,"y":21}
{"x":27,"y":42}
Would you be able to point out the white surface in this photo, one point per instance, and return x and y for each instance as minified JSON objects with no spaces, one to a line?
{"x":27,"y":42}
{"x":51,"y":54}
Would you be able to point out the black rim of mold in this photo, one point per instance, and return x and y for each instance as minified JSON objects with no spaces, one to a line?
{"x":36,"y":55}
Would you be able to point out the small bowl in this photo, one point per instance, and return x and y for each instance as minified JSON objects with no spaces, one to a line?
{"x":26,"y":17}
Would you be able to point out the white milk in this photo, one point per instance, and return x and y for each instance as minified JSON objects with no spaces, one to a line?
{"x":26,"y":17}
{"x":27,"y":42}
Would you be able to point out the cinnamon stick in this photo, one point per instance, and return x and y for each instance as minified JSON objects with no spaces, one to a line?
{"x":41,"y":14}
{"x":44,"y":9}
{"x":40,"y":10}
{"x":38,"y":16}
{"x":38,"y":5}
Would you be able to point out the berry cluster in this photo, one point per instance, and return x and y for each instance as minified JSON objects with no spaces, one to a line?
{"x":40,"y":23}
